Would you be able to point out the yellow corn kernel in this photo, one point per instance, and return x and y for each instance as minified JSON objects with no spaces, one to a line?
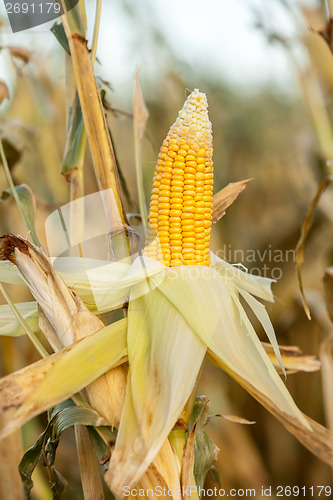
{"x":181,"y":201}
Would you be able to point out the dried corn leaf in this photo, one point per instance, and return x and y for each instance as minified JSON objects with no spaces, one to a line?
{"x":305,"y":229}
{"x":102,"y":286}
{"x":293,"y":359}
{"x":187,"y":477}
{"x":238,"y":420}
{"x":224,"y":198}
{"x":91,"y":478}
{"x":45,"y":383}
{"x":101,"y":150}
{"x":107,"y":393}
{"x":60,"y":418}
{"x":312,"y":435}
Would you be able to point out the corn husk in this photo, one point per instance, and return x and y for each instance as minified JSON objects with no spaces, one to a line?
{"x":44,"y":384}
{"x":161,"y":378}
{"x":71,"y":320}
{"x":9,"y":324}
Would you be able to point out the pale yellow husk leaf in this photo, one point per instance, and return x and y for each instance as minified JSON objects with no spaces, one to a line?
{"x":9,"y":273}
{"x":61,"y":375}
{"x":233,"y":344}
{"x":9,"y":324}
{"x":164,"y":359}
{"x":101,"y":285}
{"x":65,"y":313}
{"x":211,"y":306}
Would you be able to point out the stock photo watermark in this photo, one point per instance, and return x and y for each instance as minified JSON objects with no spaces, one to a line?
{"x":267,"y":262}
{"x":91,"y":227}
{"x":25,"y":14}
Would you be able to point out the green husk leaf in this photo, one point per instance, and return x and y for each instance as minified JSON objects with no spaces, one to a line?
{"x":205,"y":451}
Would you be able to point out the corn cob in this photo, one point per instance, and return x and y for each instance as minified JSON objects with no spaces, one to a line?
{"x":180,"y":212}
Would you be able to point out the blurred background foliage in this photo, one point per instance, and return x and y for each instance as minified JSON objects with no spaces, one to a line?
{"x":276,"y":131}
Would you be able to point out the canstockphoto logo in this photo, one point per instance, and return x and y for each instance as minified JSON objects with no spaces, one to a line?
{"x":25,"y":14}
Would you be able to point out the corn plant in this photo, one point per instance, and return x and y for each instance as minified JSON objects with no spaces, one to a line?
{"x":132,"y":382}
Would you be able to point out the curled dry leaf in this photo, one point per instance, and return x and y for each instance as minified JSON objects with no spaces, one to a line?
{"x":317,"y":438}
{"x":293,"y":359}
{"x":305,"y":229}
{"x":238,"y":420}
{"x":224,"y":198}
{"x":4,"y":92}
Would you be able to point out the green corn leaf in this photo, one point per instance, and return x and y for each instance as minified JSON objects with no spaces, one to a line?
{"x":76,"y":140}
{"x":28,"y":464}
{"x":62,"y":416}
{"x":205,"y":450}
{"x":59,"y":32}
{"x":101,"y":448}
{"x":77,"y":415}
